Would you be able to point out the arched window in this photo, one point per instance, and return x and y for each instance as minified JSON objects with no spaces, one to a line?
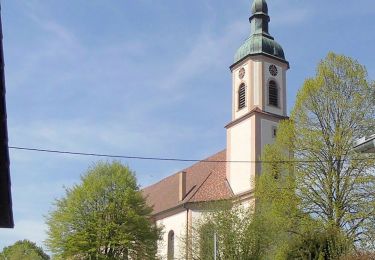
{"x":273,"y":94}
{"x":241,"y":96}
{"x":171,"y":245}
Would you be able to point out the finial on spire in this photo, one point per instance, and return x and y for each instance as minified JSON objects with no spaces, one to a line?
{"x":259,"y":6}
{"x":259,"y":19}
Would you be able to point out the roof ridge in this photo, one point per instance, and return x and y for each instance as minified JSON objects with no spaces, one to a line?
{"x":205,"y":159}
{"x":170,"y":176}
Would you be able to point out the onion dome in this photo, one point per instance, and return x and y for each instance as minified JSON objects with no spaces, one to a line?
{"x":260,"y":41}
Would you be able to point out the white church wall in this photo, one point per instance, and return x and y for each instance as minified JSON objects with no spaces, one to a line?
{"x":177,"y":223}
{"x":240,"y":148}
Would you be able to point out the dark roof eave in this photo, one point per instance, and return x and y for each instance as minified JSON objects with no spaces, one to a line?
{"x":366,"y":146}
{"x":256,"y":54}
{"x":252,"y":112}
{"x":186,"y":205}
{"x":179,"y":206}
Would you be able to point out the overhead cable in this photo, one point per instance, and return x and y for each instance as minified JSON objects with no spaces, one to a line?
{"x":170,"y":159}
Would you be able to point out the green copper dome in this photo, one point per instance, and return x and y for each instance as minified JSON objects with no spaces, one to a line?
{"x":260,"y":41}
{"x":258,"y":44}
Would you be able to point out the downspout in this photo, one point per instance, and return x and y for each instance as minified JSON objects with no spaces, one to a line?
{"x":182,"y":196}
{"x":187,"y":246}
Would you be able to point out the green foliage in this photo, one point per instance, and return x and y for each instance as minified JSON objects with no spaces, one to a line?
{"x":277,"y":204}
{"x":318,"y":243}
{"x":104,"y":217}
{"x":25,"y":250}
{"x":206,"y":240}
{"x":238,"y":234}
{"x":293,"y":233}
{"x":320,"y":202}
{"x":332,"y":110}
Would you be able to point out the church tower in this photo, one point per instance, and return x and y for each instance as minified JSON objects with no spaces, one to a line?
{"x":258,"y":100}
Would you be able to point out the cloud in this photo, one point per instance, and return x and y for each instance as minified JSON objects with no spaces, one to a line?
{"x":105,"y":137}
{"x":291,"y":17}
{"x":60,"y":33}
{"x":53,"y":46}
{"x":290,"y":12}
{"x":206,"y":52}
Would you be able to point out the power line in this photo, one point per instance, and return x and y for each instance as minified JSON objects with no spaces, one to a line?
{"x":170,"y":159}
{"x":105,"y":155}
{"x":121,"y":156}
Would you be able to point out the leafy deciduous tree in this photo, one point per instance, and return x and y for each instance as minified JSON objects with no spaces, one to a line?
{"x":323,"y":188}
{"x":25,"y":250}
{"x":104,"y":217}
{"x":333,"y":110}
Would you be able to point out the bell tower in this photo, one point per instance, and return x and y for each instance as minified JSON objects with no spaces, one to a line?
{"x":258,"y":100}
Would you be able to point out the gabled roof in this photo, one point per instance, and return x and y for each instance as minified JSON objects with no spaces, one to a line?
{"x":205,"y":181}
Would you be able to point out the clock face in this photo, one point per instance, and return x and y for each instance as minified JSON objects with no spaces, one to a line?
{"x":273,"y":70}
{"x":241,"y":73}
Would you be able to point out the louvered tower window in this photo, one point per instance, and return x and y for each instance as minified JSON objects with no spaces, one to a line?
{"x":273,"y":94}
{"x":241,"y":96}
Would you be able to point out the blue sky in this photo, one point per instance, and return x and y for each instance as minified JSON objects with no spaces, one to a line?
{"x":143,"y":78}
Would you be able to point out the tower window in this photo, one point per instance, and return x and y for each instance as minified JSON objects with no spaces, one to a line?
{"x":242,"y":97}
{"x":273,"y":94}
{"x":171,"y":245}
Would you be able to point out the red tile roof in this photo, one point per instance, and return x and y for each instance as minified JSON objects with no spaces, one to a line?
{"x":205,"y":181}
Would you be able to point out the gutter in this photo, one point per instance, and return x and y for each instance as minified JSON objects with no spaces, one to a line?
{"x":256,"y":54}
{"x":365,"y":145}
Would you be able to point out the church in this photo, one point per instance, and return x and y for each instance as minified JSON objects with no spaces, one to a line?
{"x":258,"y":104}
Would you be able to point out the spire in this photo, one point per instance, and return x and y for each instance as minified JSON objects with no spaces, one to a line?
{"x":259,"y":19}
{"x":259,"y":41}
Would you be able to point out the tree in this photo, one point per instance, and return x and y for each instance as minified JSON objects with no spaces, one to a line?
{"x":333,"y":110}
{"x":330,"y":183}
{"x":25,"y":250}
{"x":277,"y":204}
{"x":104,"y":217}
